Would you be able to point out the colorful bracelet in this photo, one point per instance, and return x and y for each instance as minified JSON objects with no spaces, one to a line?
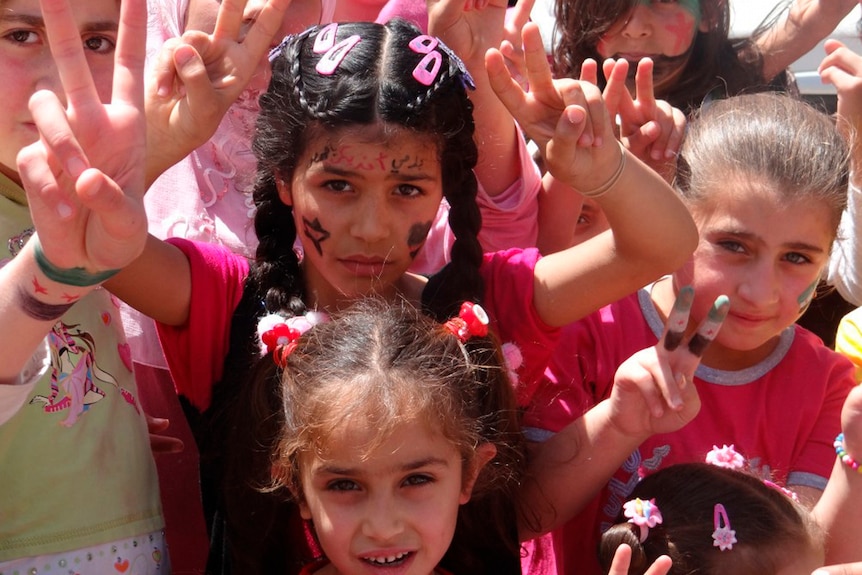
{"x":78,"y":277}
{"x":845,"y":457}
{"x":612,"y":181}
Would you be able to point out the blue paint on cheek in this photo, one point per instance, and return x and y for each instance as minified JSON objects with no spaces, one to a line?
{"x":806,"y":296}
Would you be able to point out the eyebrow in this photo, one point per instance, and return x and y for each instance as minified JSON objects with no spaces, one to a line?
{"x":410,"y":466}
{"x":409,"y":177}
{"x":36,"y":21}
{"x":801,"y":246}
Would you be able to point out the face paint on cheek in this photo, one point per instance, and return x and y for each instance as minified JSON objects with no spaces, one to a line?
{"x":682,"y":30}
{"x":416,"y":237}
{"x":315,"y":232}
{"x":805,"y":297}
{"x":693,"y":8}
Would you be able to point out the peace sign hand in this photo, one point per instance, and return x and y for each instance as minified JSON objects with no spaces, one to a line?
{"x":653,"y":390}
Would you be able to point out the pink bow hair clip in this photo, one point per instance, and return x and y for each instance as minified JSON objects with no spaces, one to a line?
{"x":644,"y":513}
{"x":472,"y":321}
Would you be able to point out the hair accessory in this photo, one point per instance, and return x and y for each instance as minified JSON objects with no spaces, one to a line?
{"x":723,"y":537}
{"x":278,"y":335}
{"x":325,"y":39}
{"x":784,"y":490}
{"x":643,"y":513}
{"x":611,"y":182}
{"x":513,"y":359}
{"x":276,"y":52}
{"x":457,"y":67}
{"x":725,"y":456}
{"x":472,"y":321}
{"x":845,"y":457}
{"x":427,"y":68}
{"x":333,"y":57}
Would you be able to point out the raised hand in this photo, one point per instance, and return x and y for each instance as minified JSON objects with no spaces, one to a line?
{"x":622,"y":560}
{"x":511,"y":48}
{"x":85,"y":177}
{"x":653,"y":390}
{"x":197,"y":77}
{"x":566,"y":118}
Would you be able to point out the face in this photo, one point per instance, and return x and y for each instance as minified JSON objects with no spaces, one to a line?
{"x":393,"y":511}
{"x":661,"y":30}
{"x":27,"y":66}
{"x":766,"y":255}
{"x":362,"y":208}
{"x":591,"y":221}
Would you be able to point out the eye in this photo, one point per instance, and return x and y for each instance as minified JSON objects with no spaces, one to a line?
{"x":337,"y":185}
{"x":418,"y":479}
{"x":99,"y":44}
{"x":408,"y":191}
{"x":342,"y":485}
{"x":22,"y":36}
{"x":797,"y":258}
{"x":731,"y":246}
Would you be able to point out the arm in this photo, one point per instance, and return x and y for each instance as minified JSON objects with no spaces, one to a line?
{"x":652,"y":393}
{"x":843,"y":68}
{"x":807,"y":22}
{"x":651,"y":232}
{"x":840,"y":507}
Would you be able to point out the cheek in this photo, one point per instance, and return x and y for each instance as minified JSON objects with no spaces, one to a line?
{"x":680,"y":30}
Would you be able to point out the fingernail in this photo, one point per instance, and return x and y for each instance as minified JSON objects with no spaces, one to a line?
{"x":182,"y":57}
{"x":655,"y":155}
{"x":64,"y":210}
{"x":75,"y":167}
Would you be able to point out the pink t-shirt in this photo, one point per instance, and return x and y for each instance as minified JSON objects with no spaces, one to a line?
{"x":196,"y":351}
{"x":781,"y":414}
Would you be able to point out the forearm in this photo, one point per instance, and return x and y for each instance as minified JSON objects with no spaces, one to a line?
{"x":559,"y":209}
{"x":30,"y":304}
{"x":838,"y":512}
{"x":566,"y":472}
{"x":807,"y":23}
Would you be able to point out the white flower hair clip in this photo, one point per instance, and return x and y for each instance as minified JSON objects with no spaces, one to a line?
{"x":644,"y":513}
{"x":725,"y":456}
{"x":723,"y":536}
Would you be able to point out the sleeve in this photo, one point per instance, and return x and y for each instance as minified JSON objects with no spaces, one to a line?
{"x":848,"y":340}
{"x":845,"y":262}
{"x":509,"y":277}
{"x":12,"y":397}
{"x":814,"y":464}
{"x":195,"y":351}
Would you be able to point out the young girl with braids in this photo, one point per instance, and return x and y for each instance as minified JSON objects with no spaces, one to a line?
{"x":363,"y":130}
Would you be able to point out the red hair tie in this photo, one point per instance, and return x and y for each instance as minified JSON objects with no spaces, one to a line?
{"x":472,"y":321}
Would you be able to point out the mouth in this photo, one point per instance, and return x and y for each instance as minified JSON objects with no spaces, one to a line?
{"x":363,"y":266}
{"x":394,"y":560}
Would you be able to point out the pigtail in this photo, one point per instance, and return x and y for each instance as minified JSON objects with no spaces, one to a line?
{"x":628,"y":534}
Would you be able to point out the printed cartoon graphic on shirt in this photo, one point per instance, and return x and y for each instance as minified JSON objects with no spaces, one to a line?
{"x":623,"y":482}
{"x":74,"y":370}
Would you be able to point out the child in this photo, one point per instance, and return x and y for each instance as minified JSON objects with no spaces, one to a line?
{"x":720,"y":518}
{"x":355,"y":165}
{"x":688,"y":42}
{"x":765,"y":178}
{"x":79,"y":484}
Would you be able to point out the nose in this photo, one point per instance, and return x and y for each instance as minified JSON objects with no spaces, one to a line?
{"x":47,"y":78}
{"x":639,"y":23}
{"x":383,"y":520}
{"x":371,"y":218}
{"x":761,"y":283}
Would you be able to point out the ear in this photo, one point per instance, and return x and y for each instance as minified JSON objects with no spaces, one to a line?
{"x":485,"y":452}
{"x":284,"y":192}
{"x":304,"y":511}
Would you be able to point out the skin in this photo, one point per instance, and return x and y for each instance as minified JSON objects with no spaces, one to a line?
{"x":358,"y":203}
{"x":25,"y":56}
{"x":656,"y":30}
{"x":397,"y":504}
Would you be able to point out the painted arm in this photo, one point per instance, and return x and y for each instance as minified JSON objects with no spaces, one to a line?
{"x":806,"y":23}
{"x":651,"y":231}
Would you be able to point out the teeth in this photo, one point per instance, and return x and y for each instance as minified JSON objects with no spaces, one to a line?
{"x":387,"y":560}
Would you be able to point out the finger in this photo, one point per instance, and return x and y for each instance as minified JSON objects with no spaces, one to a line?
{"x":130,"y":55}
{"x":259,"y":38}
{"x":617,"y":92}
{"x":622,"y":560}
{"x":44,"y":196}
{"x":845,"y":569}
{"x":677,"y":320}
{"x":54,"y":129}
{"x":597,"y":130}
{"x":67,"y":50}
{"x":539,"y":74}
{"x":644,"y":89}
{"x":165,"y":444}
{"x":202,"y":99}
{"x":589,"y":72}
{"x":661,"y":566}
{"x":667,"y":123}
{"x":708,"y":329}
{"x":164,"y":70}
{"x":156,"y":424}
{"x":229,"y":20}
{"x":507,"y":89}
{"x":520,"y":14}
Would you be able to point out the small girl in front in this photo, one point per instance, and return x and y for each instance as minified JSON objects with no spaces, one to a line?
{"x":397,"y":431}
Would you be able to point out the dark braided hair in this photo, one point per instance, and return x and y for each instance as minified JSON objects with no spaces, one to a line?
{"x":373,"y":84}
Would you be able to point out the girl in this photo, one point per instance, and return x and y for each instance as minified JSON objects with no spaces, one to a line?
{"x":396,"y":433}
{"x":765,"y":178}
{"x":362,"y":132}
{"x":688,"y":43}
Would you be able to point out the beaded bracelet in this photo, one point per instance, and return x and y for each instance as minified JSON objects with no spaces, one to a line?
{"x":845,"y":457}
{"x":596,"y":192}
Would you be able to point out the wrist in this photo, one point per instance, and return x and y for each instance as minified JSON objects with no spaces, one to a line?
{"x":76,"y":277}
{"x":847,"y":458}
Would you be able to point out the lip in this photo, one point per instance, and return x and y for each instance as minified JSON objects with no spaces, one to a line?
{"x":396,"y":568}
{"x":361,"y":265}
{"x":749,"y":318}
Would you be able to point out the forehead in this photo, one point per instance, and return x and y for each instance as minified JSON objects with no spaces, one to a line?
{"x":369,"y":142}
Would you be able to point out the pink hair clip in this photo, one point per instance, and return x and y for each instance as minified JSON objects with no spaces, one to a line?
{"x":427,"y":68}
{"x":325,"y":39}
{"x":784,"y":490}
{"x":278,"y":335}
{"x":643,"y":513}
{"x":334,"y":56}
{"x":725,"y":456}
{"x":723,"y":537}
{"x":472,"y":321}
